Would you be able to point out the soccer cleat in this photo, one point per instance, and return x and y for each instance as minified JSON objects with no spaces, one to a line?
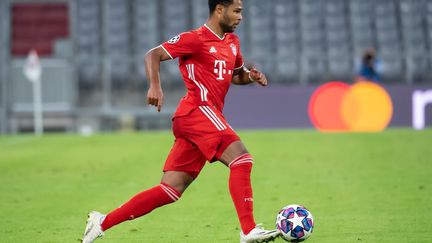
{"x":93,"y":229}
{"x":259,"y":234}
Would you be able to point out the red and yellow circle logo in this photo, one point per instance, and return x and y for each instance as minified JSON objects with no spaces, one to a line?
{"x":363,"y":106}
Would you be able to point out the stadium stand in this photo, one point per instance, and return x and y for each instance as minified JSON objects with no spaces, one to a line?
{"x":286,"y":41}
{"x":200,"y":13}
{"x":116,"y":40}
{"x":174,"y":20}
{"x":414,"y":41}
{"x":145,"y":32}
{"x":260,"y":16}
{"x":88,"y":39}
{"x":38,"y":25}
{"x":361,"y":28}
{"x":338,"y":43}
{"x":303,"y":41}
{"x":293,"y":41}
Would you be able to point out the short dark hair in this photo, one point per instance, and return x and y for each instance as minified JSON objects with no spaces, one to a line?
{"x":213,"y":3}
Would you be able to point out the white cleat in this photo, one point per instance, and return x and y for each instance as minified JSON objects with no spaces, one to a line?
{"x":258,"y":235}
{"x":93,"y":229}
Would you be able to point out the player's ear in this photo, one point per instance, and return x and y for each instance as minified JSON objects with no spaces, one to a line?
{"x":219,"y":9}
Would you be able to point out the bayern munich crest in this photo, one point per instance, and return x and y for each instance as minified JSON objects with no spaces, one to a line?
{"x":234,"y":49}
{"x":175,"y":39}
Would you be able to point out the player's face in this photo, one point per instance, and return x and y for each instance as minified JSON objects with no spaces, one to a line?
{"x":231,"y":16}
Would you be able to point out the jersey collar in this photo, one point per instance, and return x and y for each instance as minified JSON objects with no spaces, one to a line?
{"x":208,"y":28}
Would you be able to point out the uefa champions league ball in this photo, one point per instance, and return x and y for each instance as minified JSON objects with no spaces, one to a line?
{"x":295,"y":223}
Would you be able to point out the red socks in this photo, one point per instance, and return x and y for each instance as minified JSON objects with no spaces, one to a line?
{"x":241,"y":191}
{"x":141,"y":204}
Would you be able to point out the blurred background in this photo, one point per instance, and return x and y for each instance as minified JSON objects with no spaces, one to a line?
{"x":93,"y":78}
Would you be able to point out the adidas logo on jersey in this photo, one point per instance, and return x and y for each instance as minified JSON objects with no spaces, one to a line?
{"x":212,"y":50}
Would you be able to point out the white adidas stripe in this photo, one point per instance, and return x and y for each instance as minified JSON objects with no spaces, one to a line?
{"x":191,"y":74}
{"x":172,"y":195}
{"x":172,"y":198}
{"x":211,"y":119}
{"x":247,"y":158}
{"x":204,"y":89}
{"x":212,"y":114}
{"x":240,"y":162}
{"x":173,"y":192}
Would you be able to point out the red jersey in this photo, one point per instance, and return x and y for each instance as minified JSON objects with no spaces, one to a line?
{"x":207,"y":63}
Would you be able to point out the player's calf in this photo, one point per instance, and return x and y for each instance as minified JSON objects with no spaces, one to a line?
{"x":142,"y":204}
{"x":139,"y":205}
{"x":241,"y":190}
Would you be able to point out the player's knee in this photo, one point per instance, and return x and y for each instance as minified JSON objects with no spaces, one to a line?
{"x":179,"y":181}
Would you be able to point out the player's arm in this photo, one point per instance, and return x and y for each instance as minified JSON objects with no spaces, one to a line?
{"x":244,"y":76}
{"x":152,"y":61}
{"x":181,"y":45}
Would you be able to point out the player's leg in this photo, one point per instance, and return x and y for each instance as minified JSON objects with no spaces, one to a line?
{"x":172,"y":185}
{"x":238,"y":159}
{"x":182,"y":166}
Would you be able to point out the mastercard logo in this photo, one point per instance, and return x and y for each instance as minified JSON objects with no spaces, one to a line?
{"x":361,"y":107}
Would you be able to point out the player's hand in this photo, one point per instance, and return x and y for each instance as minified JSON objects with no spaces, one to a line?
{"x":155,"y":97}
{"x":257,"y":76}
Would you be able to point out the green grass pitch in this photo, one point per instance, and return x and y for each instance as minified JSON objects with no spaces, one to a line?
{"x":360,"y":187}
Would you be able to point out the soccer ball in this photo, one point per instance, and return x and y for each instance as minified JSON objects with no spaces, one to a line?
{"x":295,"y":223}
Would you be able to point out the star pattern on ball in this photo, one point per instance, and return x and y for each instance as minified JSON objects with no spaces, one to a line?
{"x":296,"y":220}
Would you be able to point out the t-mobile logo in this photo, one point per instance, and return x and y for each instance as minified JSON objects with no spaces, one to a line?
{"x":219,"y":69}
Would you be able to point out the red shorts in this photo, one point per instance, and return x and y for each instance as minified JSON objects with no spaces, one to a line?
{"x":202,"y":135}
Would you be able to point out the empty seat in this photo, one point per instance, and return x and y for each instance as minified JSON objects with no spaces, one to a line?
{"x":200,"y":12}
{"x":119,"y":69}
{"x":145,"y":33}
{"x":392,"y":67}
{"x":360,"y":8}
{"x":417,"y":68}
{"x":117,"y":43}
{"x":88,"y":27}
{"x":414,"y":42}
{"x":89,"y":70}
{"x":116,"y":34}
{"x":37,"y":26}
{"x":88,"y":42}
{"x":312,"y":28}
{"x":287,"y":35}
{"x":310,"y":8}
{"x":260,"y":19}
{"x":340,"y":66}
{"x":175,"y":18}
{"x":413,"y":37}
{"x":287,"y":69}
{"x":313,"y":69}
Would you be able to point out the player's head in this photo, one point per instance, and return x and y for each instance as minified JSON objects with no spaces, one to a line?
{"x":227,"y":12}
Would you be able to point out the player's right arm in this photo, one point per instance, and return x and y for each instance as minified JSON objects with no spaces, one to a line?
{"x":152,"y":61}
{"x":181,"y":45}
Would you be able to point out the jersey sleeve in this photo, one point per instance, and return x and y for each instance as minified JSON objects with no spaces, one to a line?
{"x":239,"y":63}
{"x":183,"y":44}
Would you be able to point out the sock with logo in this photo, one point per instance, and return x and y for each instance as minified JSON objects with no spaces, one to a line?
{"x":241,"y":191}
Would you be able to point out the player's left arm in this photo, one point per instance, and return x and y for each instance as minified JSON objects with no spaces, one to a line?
{"x":244,"y":76}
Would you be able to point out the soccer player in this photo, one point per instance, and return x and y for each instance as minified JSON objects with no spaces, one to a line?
{"x":209,"y":61}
